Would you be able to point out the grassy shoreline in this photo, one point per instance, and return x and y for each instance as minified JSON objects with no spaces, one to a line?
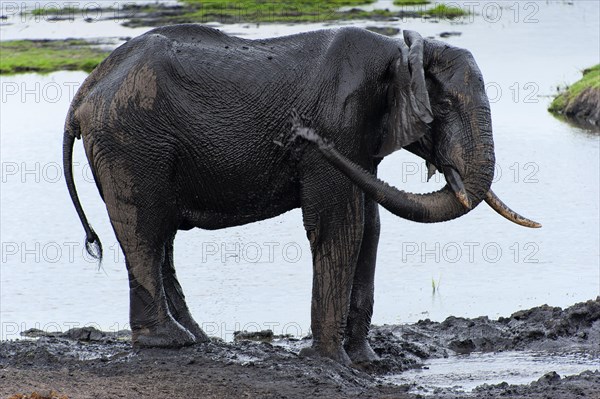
{"x":255,"y":11}
{"x":244,"y":11}
{"x":45,"y":56}
{"x":580,"y":102}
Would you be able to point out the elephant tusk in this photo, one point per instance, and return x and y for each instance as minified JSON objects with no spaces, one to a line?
{"x":496,"y":204}
{"x":456,"y":184}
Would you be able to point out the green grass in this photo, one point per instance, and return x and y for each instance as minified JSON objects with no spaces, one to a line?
{"x":228,"y":11}
{"x":444,"y":11}
{"x":270,"y":11}
{"x":590,"y":79}
{"x":45,"y":56}
{"x":253,"y":11}
{"x":410,"y":2}
{"x":42,"y":11}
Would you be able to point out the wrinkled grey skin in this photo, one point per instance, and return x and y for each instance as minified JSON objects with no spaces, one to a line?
{"x":187,"y":127}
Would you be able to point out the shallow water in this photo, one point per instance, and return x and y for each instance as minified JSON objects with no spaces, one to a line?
{"x":258,"y":276}
{"x":465,"y":373}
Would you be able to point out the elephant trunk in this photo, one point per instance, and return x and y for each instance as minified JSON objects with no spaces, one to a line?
{"x":468,"y":163}
{"x":455,"y":199}
{"x":452,"y":201}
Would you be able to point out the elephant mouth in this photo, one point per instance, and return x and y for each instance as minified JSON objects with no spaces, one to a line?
{"x":456,"y":184}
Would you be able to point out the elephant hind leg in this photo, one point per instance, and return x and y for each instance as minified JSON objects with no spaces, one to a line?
{"x":175,"y":297}
{"x":143,"y":225}
{"x":152,"y":323}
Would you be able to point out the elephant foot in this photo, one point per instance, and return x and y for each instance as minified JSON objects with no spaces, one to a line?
{"x":166,"y":335}
{"x":200,"y":335}
{"x":338,"y":354}
{"x":193,"y":327}
{"x":361,"y":353}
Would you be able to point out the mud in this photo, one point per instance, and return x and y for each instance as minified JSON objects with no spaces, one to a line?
{"x":87,"y":363}
{"x":584,"y":110}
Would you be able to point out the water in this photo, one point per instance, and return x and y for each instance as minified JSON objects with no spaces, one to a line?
{"x":259,"y":276}
{"x":465,"y":373}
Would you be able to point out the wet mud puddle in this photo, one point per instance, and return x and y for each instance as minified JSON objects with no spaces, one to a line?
{"x":464,"y":373}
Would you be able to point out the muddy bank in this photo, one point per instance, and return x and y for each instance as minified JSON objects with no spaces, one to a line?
{"x":87,"y":363}
{"x":216,"y":369}
{"x":543,"y":328}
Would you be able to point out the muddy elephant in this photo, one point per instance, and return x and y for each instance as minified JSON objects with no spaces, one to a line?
{"x":188,"y":127}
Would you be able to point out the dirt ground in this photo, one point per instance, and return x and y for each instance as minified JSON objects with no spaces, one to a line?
{"x":86,"y":363}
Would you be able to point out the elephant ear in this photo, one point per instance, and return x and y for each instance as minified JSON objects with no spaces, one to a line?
{"x":409,"y":99}
{"x":419,"y":97}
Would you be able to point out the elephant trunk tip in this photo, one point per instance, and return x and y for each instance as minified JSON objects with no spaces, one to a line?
{"x":306,"y":133}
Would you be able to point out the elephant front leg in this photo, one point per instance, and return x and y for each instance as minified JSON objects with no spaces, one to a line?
{"x":361,"y":302}
{"x":335,"y":244}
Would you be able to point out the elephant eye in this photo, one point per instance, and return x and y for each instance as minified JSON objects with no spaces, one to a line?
{"x":444,"y":107}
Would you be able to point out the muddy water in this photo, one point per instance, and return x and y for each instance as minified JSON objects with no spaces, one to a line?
{"x":258,"y":276}
{"x":465,"y":373}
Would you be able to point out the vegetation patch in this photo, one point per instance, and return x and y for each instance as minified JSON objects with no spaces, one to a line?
{"x":581,"y":100}
{"x":45,"y":11}
{"x":270,"y":11}
{"x":410,"y":2}
{"x":45,"y":56}
{"x":224,"y":11}
{"x":590,"y":79}
{"x":240,"y":11}
{"x":444,"y":11}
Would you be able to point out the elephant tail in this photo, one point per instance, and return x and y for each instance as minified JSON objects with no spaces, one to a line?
{"x":93,"y":246}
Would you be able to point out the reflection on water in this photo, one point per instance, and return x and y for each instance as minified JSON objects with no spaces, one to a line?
{"x":258,"y":276}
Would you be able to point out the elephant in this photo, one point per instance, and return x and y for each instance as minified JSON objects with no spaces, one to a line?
{"x":187,"y":127}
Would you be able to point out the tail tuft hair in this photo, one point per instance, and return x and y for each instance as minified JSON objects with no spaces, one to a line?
{"x":93,"y":246}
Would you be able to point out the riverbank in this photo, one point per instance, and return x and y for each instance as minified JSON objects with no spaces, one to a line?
{"x":226,"y":12}
{"x":45,"y":56}
{"x":87,"y":363}
{"x":580,"y":102}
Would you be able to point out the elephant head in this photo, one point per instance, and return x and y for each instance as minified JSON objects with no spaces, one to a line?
{"x":438,"y":109}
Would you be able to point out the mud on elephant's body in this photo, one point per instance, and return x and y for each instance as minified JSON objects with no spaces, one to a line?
{"x":187,"y":127}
